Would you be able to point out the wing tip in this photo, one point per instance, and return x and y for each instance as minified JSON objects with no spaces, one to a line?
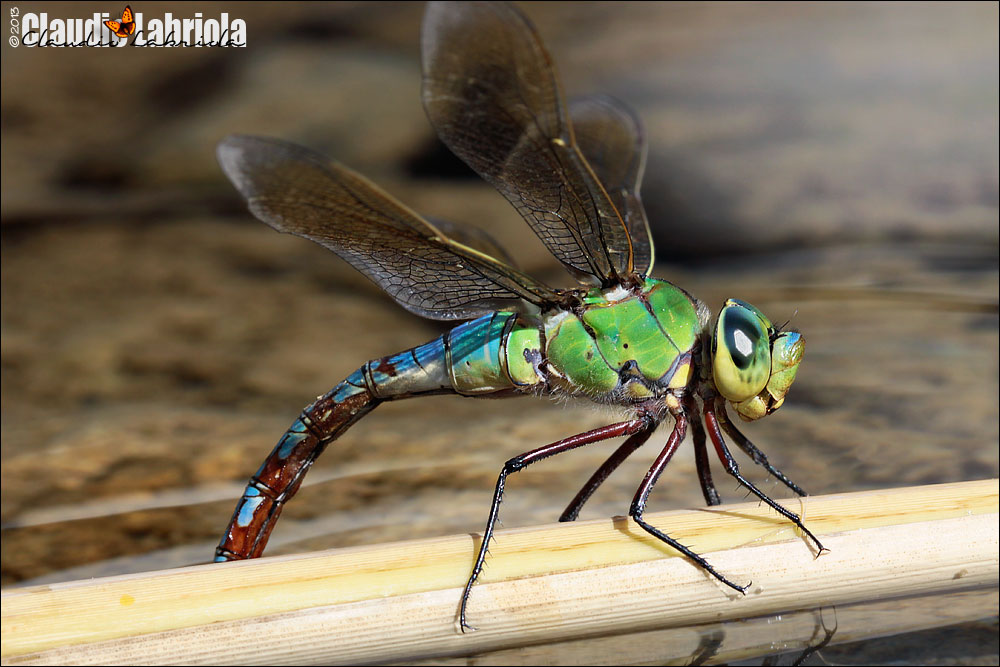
{"x":231,"y":154}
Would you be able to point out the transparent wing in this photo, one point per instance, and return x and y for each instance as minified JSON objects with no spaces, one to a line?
{"x":611,"y":137}
{"x":299,"y":191}
{"x":475,"y":238}
{"x":491,"y":92}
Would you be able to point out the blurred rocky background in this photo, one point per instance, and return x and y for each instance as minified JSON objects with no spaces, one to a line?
{"x":834,"y":164}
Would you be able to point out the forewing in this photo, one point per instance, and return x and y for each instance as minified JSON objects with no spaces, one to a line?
{"x":299,"y":191}
{"x":475,"y":238}
{"x":491,"y":92}
{"x":611,"y":138}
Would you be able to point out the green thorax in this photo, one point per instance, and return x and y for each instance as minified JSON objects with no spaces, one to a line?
{"x":624,"y":345}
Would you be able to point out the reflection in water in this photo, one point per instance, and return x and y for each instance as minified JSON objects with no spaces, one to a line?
{"x":795,"y":638}
{"x":813,"y":648}
{"x":711,"y":640}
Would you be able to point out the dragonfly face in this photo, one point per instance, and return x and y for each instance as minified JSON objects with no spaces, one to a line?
{"x":753,"y":365}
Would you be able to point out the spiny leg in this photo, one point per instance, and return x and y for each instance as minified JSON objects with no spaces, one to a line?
{"x":701,"y":453}
{"x":625,"y":450}
{"x":522,"y":461}
{"x":712,"y":408}
{"x":642,"y":495}
{"x":755,"y":454}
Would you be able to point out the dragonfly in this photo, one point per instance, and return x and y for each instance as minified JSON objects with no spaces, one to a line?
{"x":619,"y":337}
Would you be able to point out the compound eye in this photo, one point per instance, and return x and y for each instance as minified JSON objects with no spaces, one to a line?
{"x":742,"y":346}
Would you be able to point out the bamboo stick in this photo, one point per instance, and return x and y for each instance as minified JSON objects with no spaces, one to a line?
{"x":550,"y":583}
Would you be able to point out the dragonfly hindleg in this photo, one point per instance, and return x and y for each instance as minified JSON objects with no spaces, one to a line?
{"x":625,"y":450}
{"x":631,"y":427}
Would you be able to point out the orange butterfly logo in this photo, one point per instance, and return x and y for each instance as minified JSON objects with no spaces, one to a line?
{"x":124,"y":27}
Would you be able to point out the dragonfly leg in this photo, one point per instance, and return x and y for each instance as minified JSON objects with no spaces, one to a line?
{"x":631,"y":427}
{"x":280,"y":476}
{"x":642,"y":495}
{"x":701,"y":452}
{"x":625,"y":450}
{"x":751,"y":450}
{"x":712,"y":408}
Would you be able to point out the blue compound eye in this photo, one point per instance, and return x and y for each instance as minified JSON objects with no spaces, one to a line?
{"x":742,"y":351}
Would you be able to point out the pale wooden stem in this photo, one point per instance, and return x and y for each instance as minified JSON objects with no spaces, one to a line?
{"x":544,"y":584}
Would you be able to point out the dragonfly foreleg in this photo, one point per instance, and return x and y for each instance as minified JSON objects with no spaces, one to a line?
{"x":755,"y":454}
{"x":625,"y":450}
{"x":631,"y":427}
{"x":642,"y":495}
{"x":717,"y":407}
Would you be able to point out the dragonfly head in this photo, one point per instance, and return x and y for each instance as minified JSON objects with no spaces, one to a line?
{"x":753,"y":364}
